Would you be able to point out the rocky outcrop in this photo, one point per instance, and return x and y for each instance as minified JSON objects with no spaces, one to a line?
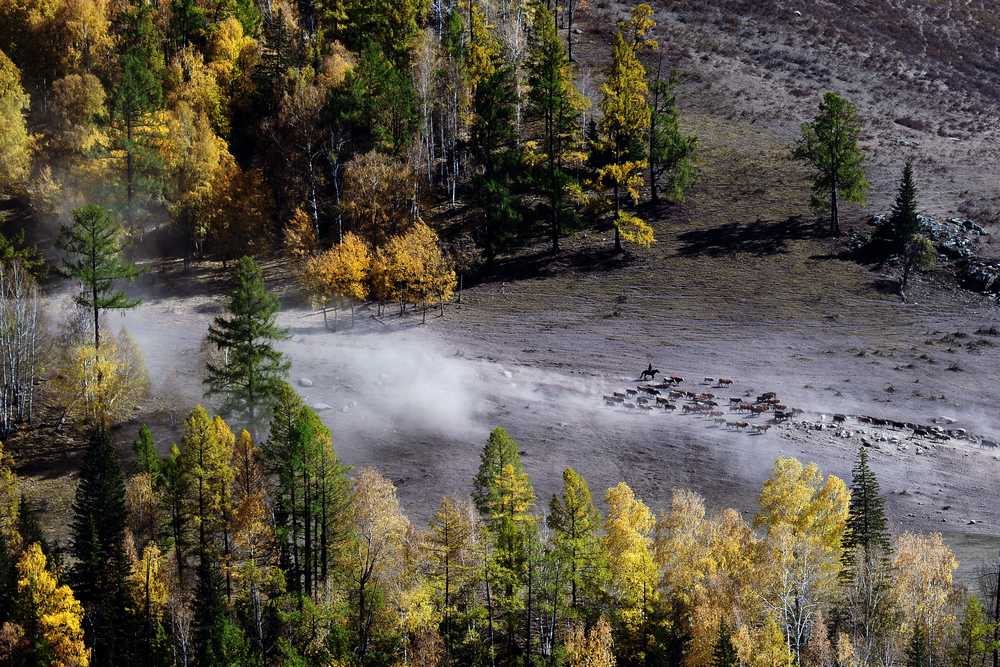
{"x":954,"y":238}
{"x":956,"y":241}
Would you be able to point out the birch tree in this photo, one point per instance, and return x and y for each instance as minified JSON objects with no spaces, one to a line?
{"x":20,"y":339}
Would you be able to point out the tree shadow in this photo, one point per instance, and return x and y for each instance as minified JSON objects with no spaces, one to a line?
{"x":756,"y":238}
{"x":888,"y":286}
{"x":544,"y":263}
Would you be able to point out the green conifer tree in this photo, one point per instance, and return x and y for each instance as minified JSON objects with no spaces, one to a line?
{"x":866,"y":528}
{"x":974,"y":643}
{"x":903,"y":223}
{"x":500,"y":450}
{"x":916,"y":649}
{"x":136,"y":93}
{"x":724,"y":653}
{"x":252,"y":372}
{"x":830,"y":145}
{"x":671,"y":152}
{"x":98,"y":531}
{"x":493,"y":145}
{"x":575,"y":522}
{"x":145,"y":452}
{"x":555,"y":104}
{"x":93,"y":247}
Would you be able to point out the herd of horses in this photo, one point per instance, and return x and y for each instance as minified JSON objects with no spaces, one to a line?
{"x":668,"y":396}
{"x":765,"y":409}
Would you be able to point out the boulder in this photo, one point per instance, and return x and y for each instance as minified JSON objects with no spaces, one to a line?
{"x":305,"y":382}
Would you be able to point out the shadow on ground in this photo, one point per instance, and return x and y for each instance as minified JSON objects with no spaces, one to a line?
{"x":756,"y":238}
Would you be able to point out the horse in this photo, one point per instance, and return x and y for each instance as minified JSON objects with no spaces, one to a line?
{"x":649,"y":373}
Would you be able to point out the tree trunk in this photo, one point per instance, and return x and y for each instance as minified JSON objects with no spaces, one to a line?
{"x":834,"y":213}
{"x":570,"y":10}
{"x":654,"y":195}
{"x":618,"y":237}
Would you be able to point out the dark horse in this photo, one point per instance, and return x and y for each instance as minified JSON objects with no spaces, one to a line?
{"x":649,"y":373}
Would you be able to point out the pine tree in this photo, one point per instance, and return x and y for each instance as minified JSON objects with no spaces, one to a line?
{"x":671,"y":152}
{"x":575,"y":522}
{"x":252,"y":372}
{"x":724,"y":653}
{"x":101,"y":569}
{"x":555,"y":103}
{"x":311,"y":493}
{"x":93,"y":247}
{"x":900,"y":235}
{"x":500,"y":450}
{"x":916,"y":649}
{"x":830,"y":145}
{"x":974,"y":641}
{"x":904,"y":223}
{"x":866,"y":527}
{"x":145,"y":452}
{"x":136,"y":94}
{"x":493,"y":145}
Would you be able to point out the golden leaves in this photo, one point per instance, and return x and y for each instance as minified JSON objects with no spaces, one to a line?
{"x":634,"y":229}
{"x":52,"y":610}
{"x":101,"y":387}
{"x":339,"y":273}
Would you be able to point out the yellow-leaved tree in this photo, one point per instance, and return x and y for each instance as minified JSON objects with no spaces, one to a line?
{"x":628,"y":547}
{"x":100,"y":387}
{"x":148,"y":583}
{"x":590,"y":649}
{"x":300,"y":237}
{"x":924,"y":588}
{"x":706,"y":565}
{"x":378,"y":196}
{"x":339,"y":274}
{"x":49,"y":614}
{"x":433,"y":276}
{"x":625,"y":117}
{"x":376,"y":558}
{"x":804,"y":517}
{"x":16,"y":143}
{"x":762,"y":646}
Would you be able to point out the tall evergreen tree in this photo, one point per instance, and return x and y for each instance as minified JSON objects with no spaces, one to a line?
{"x":137,"y":92}
{"x":575,"y":522}
{"x":504,"y":495}
{"x":556,"y":105}
{"x":866,"y":528}
{"x":98,"y":531}
{"x":671,"y":152}
{"x":93,"y":247}
{"x":917,"y":649}
{"x":900,"y":235}
{"x":724,"y":653}
{"x":252,"y":372}
{"x":830,"y":145}
{"x":145,"y":452}
{"x":493,"y":145}
{"x":383,"y":111}
{"x":499,"y":451}
{"x":311,"y":493}
{"x":974,"y":639}
{"x":903,"y":222}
